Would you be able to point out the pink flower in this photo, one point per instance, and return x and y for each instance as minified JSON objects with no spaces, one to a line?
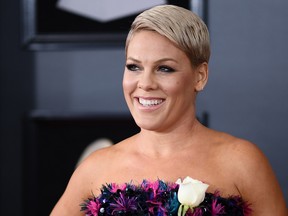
{"x":115,"y":187}
{"x":93,"y":207}
{"x":154,"y":186}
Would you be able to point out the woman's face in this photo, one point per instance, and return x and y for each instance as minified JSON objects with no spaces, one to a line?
{"x":159,"y":82}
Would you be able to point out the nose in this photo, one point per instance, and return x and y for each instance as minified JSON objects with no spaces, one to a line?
{"x":147,"y":81}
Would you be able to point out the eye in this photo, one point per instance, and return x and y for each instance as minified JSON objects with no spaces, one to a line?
{"x":132,"y":67}
{"x":166,"y":69}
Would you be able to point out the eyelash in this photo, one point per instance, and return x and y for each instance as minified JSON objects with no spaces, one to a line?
{"x":165,"y":69}
{"x":162,"y":68}
{"x":132,"y":67}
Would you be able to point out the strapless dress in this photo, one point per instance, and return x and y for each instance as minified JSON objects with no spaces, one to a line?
{"x":163,"y":199}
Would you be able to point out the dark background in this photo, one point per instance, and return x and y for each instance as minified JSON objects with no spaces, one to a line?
{"x":53,"y":147}
{"x":52,"y":20}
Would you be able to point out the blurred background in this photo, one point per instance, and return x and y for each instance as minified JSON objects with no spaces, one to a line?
{"x":247,"y":92}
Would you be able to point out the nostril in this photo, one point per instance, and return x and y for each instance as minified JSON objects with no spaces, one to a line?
{"x":147,"y":83}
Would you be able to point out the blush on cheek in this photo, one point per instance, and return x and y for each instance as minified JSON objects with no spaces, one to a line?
{"x":127,"y":83}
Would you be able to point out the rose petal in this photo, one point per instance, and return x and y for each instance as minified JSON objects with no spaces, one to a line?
{"x":191,"y":192}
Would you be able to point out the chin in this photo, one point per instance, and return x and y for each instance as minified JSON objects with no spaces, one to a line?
{"x":150,"y":125}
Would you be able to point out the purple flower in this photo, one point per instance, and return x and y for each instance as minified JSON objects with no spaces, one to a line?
{"x":124,"y":204}
{"x":216,"y":209}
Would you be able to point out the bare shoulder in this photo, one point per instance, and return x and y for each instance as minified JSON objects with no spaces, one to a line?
{"x":236,"y":154}
{"x":103,"y":155}
{"x":252,"y":174}
{"x":241,"y":153}
{"x":101,"y":163}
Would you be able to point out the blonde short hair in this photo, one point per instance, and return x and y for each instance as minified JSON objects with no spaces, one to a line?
{"x":181,"y":26}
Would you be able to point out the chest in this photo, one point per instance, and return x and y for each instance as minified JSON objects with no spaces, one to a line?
{"x":134,"y":170}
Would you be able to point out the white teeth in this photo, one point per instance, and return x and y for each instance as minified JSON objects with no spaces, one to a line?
{"x":149,"y":102}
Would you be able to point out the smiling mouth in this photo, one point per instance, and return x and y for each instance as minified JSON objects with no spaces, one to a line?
{"x":150,"y":102}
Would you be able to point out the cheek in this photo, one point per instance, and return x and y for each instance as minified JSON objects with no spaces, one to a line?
{"x":179,"y":88}
{"x":128,"y":84}
{"x":174,"y":87}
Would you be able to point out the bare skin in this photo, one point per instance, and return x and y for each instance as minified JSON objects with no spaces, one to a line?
{"x":227,"y":164}
{"x":172,"y":144}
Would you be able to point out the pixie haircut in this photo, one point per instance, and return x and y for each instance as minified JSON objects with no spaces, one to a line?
{"x":181,"y":26}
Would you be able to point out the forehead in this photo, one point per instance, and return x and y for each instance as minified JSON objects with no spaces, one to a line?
{"x":144,"y":42}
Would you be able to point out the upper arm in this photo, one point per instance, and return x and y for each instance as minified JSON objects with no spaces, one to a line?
{"x":256,"y":181}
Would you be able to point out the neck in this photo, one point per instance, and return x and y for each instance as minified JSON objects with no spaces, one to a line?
{"x":165,"y":144}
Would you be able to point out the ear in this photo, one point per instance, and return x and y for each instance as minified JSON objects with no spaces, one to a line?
{"x":201,"y":76}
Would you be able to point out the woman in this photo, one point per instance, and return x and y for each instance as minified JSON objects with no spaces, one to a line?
{"x":167,"y":54}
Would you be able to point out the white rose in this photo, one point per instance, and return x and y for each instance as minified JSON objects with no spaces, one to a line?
{"x":191,"y":192}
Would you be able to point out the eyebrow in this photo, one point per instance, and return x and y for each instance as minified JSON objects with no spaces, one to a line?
{"x":159,"y":60}
{"x":133,"y":59}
